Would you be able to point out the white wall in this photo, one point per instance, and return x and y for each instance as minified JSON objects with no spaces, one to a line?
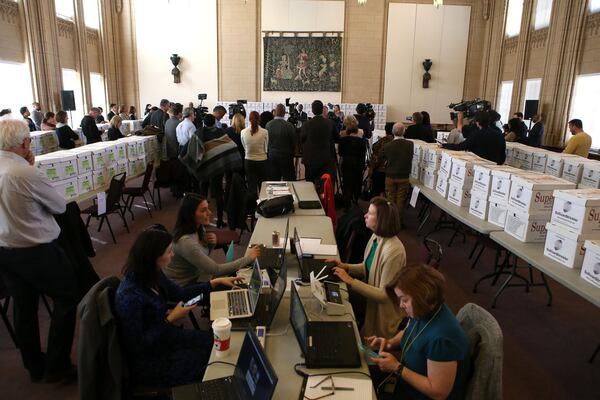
{"x":185,"y":27}
{"x":305,"y":16}
{"x":416,"y":32}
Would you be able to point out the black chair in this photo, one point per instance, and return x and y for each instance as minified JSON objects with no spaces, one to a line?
{"x":4,"y":304}
{"x":162,"y":179}
{"x":140,"y":191}
{"x":434,"y":252}
{"x":113,"y":205}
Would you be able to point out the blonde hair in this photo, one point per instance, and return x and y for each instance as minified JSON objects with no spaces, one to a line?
{"x":12,"y":133}
{"x":238,"y":123}
{"x":116,"y":121}
{"x":350,"y":122}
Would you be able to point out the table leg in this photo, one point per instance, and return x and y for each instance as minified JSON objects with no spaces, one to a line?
{"x":594,"y":354}
{"x":547,"y":289}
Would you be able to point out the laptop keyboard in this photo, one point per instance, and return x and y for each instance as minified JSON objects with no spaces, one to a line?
{"x":217,"y":389}
{"x":238,"y":304}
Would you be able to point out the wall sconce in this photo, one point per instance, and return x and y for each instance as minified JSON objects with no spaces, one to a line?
{"x":426,"y":76}
{"x":175,"y":71}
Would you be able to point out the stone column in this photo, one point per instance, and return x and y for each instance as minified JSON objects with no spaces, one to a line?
{"x":521,"y":57}
{"x":82,"y":57}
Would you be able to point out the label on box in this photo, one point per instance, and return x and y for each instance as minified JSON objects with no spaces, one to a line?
{"x":590,"y":269}
{"x":478,"y":206}
{"x":86,"y":164}
{"x":524,"y":229}
{"x":70,"y":170}
{"x":564,"y":249}
{"x":52,"y":174}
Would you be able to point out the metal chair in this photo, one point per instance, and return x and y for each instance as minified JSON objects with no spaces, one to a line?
{"x":4,"y":305}
{"x":140,"y":191}
{"x":113,"y":205}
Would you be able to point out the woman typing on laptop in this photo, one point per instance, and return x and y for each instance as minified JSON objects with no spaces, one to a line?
{"x":384,"y":257}
{"x":192,"y":245}
{"x":157,"y":352}
{"x":433,"y":359}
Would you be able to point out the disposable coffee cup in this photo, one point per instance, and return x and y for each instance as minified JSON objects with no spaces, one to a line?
{"x":222,"y":334}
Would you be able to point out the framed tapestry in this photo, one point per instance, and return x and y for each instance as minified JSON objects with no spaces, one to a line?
{"x":302,"y":64}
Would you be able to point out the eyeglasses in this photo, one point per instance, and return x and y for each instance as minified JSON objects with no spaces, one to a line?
{"x":331,"y":388}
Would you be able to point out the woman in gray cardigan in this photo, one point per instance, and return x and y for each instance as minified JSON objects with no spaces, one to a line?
{"x":192,"y":245}
{"x":384,"y":257}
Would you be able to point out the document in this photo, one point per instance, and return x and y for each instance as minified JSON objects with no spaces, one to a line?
{"x":101,"y":203}
{"x":414,"y":196}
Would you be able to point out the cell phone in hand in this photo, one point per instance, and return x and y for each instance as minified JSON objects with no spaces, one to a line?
{"x":194,"y":301}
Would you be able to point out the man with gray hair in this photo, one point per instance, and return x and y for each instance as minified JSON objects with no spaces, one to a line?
{"x":32,"y":261}
{"x":397,"y":158}
{"x":186,"y":128}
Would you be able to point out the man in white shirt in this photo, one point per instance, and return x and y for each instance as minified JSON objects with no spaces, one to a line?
{"x":186,"y":128}
{"x":32,"y":262}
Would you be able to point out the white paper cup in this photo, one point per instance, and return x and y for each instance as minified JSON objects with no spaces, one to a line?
{"x":222,"y":334}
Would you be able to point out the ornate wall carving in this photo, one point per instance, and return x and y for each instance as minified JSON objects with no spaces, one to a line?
{"x":9,"y":11}
{"x":65,"y":28}
{"x":592,"y":25}
{"x":538,"y":38}
{"x":511,"y":44}
{"x":91,"y":37}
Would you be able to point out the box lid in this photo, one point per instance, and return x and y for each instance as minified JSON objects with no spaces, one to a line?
{"x":561,"y":230}
{"x":542,"y":182}
{"x":583,"y":197}
{"x":505,"y":171}
{"x":592,"y":245}
{"x":561,"y":156}
{"x":591,"y":165}
{"x":54,"y":157}
{"x":527,"y":216}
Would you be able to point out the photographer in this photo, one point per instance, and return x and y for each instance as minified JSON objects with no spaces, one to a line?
{"x":484,"y":141}
{"x":363,"y":120}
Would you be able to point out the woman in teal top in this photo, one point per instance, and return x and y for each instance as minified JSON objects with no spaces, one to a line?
{"x":432,"y":353}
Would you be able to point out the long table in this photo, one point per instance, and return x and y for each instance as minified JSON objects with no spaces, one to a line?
{"x":302,"y":191}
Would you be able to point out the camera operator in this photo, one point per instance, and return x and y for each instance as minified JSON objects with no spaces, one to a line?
{"x":363,"y":120}
{"x":485,"y":141}
{"x":219,"y":112}
{"x":418,"y":130}
{"x":456,"y":136}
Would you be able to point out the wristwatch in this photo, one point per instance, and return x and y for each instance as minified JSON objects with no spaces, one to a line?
{"x":399,"y":369}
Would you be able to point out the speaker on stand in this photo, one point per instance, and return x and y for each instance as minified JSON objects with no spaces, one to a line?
{"x":67,"y":99}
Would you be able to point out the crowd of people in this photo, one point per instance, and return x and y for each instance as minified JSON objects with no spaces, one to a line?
{"x":404,"y":306}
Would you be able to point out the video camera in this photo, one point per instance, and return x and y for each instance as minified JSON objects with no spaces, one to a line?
{"x":469,"y":107}
{"x":294,"y":114}
{"x":200,"y":111}
{"x":237,"y":108}
{"x":370,"y":112}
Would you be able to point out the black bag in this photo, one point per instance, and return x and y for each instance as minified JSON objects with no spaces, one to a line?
{"x":276,"y":206}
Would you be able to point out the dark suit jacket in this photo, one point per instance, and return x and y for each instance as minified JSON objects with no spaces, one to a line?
{"x":487,"y":143}
{"x":317,"y":137}
{"x":536,"y":135}
{"x":90,"y":130}
{"x":282,"y":138}
{"x":421,"y":132}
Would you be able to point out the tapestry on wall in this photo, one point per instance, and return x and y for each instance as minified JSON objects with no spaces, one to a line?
{"x":302,"y":64}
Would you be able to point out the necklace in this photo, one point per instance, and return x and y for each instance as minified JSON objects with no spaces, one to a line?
{"x":407,"y":344}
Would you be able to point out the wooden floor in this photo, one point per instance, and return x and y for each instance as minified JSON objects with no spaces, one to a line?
{"x":545,"y":348}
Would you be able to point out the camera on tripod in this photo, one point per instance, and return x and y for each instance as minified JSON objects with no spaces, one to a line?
{"x":469,"y":107}
{"x":200,"y":111}
{"x":237,"y":108}
{"x":294,"y":114}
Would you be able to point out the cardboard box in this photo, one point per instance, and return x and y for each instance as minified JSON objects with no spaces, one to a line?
{"x":590,"y":177}
{"x":57,"y":166}
{"x":458,"y":195}
{"x":67,"y":188}
{"x":84,"y":160}
{"x":120,"y":151}
{"x":441,"y":186}
{"x":111,"y":170}
{"x":100,"y":179}
{"x":478,"y":205}
{"x":524,"y":156}
{"x":577,"y":210}
{"x":429,"y":178}
{"x":564,"y":246}
{"x":414,"y":169}
{"x":99,"y":159}
{"x":572,"y":169}
{"x":463,"y":170}
{"x":539,"y":161}
{"x":433,"y":157}
{"x":590,"y":268}
{"x":123,"y":167}
{"x":482,"y":179}
{"x":501,"y":181}
{"x":528,"y":228}
{"x":533,"y":194}
{"x":85,"y":183}
{"x":555,"y":162}
{"x":497,"y":212}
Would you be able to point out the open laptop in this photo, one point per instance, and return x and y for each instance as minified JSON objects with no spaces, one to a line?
{"x":324,"y":344}
{"x":254,"y":377}
{"x":307,"y":204}
{"x":273,"y":257}
{"x":308,"y":265}
{"x":265,"y":311}
{"x":237,"y":303}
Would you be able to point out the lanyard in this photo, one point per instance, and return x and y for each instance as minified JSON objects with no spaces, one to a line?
{"x":408,"y":345}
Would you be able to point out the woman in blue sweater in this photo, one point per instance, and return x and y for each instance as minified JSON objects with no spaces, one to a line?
{"x":157,"y":352}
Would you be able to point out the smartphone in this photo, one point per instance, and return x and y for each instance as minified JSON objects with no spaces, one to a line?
{"x":369,"y":353}
{"x":194,"y":301}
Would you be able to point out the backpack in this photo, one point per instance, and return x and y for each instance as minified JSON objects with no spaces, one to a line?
{"x":276,"y":206}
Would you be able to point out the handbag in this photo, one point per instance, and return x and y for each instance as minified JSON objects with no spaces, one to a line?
{"x":276,"y":206}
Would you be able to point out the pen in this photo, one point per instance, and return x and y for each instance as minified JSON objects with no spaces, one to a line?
{"x":336,"y":388}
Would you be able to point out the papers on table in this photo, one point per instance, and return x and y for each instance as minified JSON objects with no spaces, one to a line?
{"x":314,"y":246}
{"x":361,"y":388}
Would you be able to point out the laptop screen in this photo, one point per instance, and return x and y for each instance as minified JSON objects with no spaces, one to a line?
{"x":277,"y":293}
{"x":287,"y":231}
{"x":298,"y":318}
{"x":255,"y":285}
{"x":297,"y":244}
{"x":254,"y":374}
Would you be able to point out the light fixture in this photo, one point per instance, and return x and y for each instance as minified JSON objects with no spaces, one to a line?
{"x":362,"y":2}
{"x":438,"y":3}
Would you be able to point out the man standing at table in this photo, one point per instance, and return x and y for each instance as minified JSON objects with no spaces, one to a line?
{"x":32,"y":261}
{"x":318,"y":148}
{"x":282,"y":146}
{"x":580,"y":142}
{"x":89,"y":127}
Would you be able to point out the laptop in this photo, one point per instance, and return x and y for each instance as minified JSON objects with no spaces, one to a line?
{"x":324,"y":344}
{"x":237,"y":303}
{"x":254,"y":377}
{"x":308,"y":265}
{"x":265,"y":311}
{"x":307,"y":204}
{"x":274,"y":257}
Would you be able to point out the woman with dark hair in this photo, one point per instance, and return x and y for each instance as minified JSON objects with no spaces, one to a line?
{"x":426,"y":119}
{"x":147,"y":109}
{"x":49,"y":121}
{"x":192,"y":245}
{"x":516,"y":132}
{"x":352,"y":149}
{"x":67,"y":139}
{"x":256,"y":144}
{"x":132,"y":113}
{"x":434,"y":360}
{"x":384,"y":257}
{"x":157,"y":352}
